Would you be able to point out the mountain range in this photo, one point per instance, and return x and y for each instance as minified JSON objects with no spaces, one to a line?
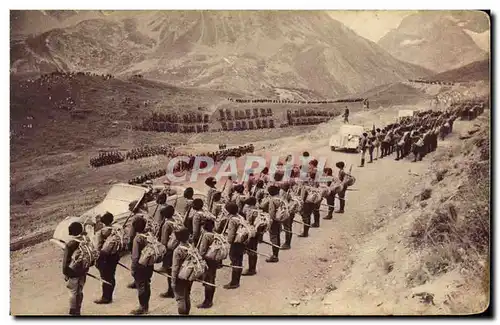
{"x":437,"y":40}
{"x":250,"y":52}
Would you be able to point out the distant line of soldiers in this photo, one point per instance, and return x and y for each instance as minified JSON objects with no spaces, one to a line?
{"x":430,"y":82}
{"x":285,"y":101}
{"x":217,"y":156}
{"x":192,"y":238}
{"x":107,"y":158}
{"x":115,"y":157}
{"x":417,"y":134}
{"x":147,"y":151}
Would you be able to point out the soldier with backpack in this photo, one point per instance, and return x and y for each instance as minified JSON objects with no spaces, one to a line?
{"x":210,"y":182}
{"x":238,"y":196}
{"x":251,"y":214}
{"x":199,"y":218}
{"x":187,"y":266}
{"x":237,"y":236}
{"x":167,"y":238}
{"x":212,"y":256}
{"x":363,"y":143}
{"x":143,"y":260}
{"x":217,"y":204}
{"x":275,"y":206}
{"x":110,"y":243}
{"x":75,"y":267}
{"x":258,"y":191}
{"x":344,"y":178}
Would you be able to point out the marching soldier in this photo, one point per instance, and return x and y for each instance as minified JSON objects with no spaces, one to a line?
{"x":250,"y":212}
{"x":271,"y":205}
{"x":340,"y":165}
{"x":372,"y":138}
{"x":142,"y":274}
{"x":207,"y":238}
{"x":210,"y":182}
{"x":237,"y":249}
{"x":363,"y":142}
{"x":165,"y":233}
{"x":182,"y":288}
{"x":198,"y":220}
{"x":75,"y":278}
{"x":330,"y":199}
{"x":107,"y":261}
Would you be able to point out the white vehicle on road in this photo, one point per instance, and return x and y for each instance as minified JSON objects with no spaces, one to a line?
{"x":347,"y":138}
{"x":116,"y":202}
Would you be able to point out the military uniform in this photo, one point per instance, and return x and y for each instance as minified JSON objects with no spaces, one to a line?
{"x":142,"y":274}
{"x":207,"y":238}
{"x":270,"y":205}
{"x":250,"y":213}
{"x":182,"y":288}
{"x":166,"y":231}
{"x":75,"y":279}
{"x":106,"y":264}
{"x":236,"y":251}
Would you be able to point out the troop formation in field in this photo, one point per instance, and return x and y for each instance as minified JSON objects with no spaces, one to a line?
{"x":416,"y":134}
{"x":191,"y":238}
{"x":187,"y":166}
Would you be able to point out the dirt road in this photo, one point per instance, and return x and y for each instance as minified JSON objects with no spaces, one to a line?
{"x":37,"y":286}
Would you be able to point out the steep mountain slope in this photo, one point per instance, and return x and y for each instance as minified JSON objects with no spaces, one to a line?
{"x":436,"y":40}
{"x":64,"y":113}
{"x":475,"y":71}
{"x":239,"y":51}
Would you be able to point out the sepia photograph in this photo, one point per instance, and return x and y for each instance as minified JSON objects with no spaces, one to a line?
{"x":250,"y":162}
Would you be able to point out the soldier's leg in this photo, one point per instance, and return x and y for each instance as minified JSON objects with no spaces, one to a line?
{"x":342,"y":201}
{"x":252,"y":257}
{"x":108,"y":274}
{"x":330,"y":200}
{"x":167,"y":266}
{"x":306,"y":219}
{"x":73,"y":284}
{"x":234,"y":257}
{"x":274,"y":234}
{"x":209,"y":290}
{"x":316,"y":214}
{"x":81,"y":284}
{"x":180,"y":296}
{"x":363,"y":153}
{"x":288,"y":225}
{"x":140,"y":278}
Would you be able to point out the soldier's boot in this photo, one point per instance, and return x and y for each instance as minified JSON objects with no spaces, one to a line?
{"x":209,"y":297}
{"x":170,"y":291}
{"x":235,"y":279}
{"x":342,"y":205}
{"x":362,"y":163}
{"x":132,"y":285}
{"x":315,"y":224}
{"x":288,"y":241}
{"x":140,"y":311}
{"x":371,"y":158}
{"x":329,"y":216}
{"x":252,"y":266}
{"x":74,"y":312}
{"x":305,"y":232}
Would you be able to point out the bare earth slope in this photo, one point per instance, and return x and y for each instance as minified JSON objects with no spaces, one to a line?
{"x":475,"y":71}
{"x":437,"y":41}
{"x":297,"y":284}
{"x":239,"y":51}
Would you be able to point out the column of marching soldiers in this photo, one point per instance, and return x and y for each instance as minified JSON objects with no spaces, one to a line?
{"x":183,"y":166}
{"x":192,"y":237}
{"x":417,"y":135}
{"x":115,"y":157}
